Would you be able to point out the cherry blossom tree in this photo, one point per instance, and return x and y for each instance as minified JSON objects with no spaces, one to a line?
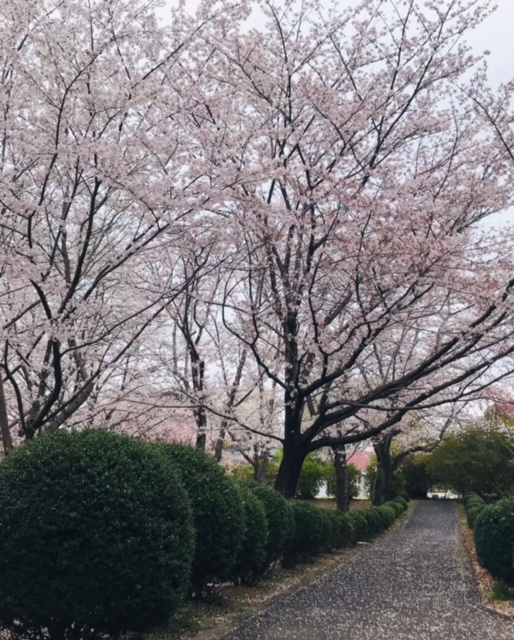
{"x":97,"y":179}
{"x":361,"y":175}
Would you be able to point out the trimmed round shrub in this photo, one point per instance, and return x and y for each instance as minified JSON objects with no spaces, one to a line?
{"x":374,"y":521}
{"x":473,"y":512}
{"x":494,"y":539}
{"x":474,"y":506}
{"x":312,"y":478}
{"x":346,"y":534}
{"x":217,"y":512}
{"x":290,"y":528}
{"x":310,"y":533}
{"x":404,"y":504}
{"x":388,"y":515}
{"x":280,"y":518}
{"x":97,"y":537}
{"x":251,"y":558}
{"x":360,"y":524}
{"x":396,"y":506}
{"x":404,"y":495}
{"x":337,"y":532}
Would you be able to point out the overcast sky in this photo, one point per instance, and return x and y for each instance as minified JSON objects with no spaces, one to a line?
{"x":495,"y":34}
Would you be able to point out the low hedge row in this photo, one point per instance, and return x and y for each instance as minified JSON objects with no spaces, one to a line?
{"x":474,"y":505}
{"x":104,"y":534}
{"x":494,"y":539}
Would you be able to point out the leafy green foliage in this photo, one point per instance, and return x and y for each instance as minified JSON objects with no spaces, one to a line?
{"x":354,"y":476}
{"x":311,"y":533}
{"x":388,"y":514}
{"x":494,"y":539}
{"x":251,"y":562}
{"x":360,"y":524}
{"x":474,"y":506}
{"x":217,"y":512}
{"x":418,"y":478}
{"x":312,"y":478}
{"x":398,"y":501}
{"x":478,"y":460}
{"x":97,"y":537}
{"x":370,"y":476}
{"x":280,"y":519}
{"x":374,"y":521}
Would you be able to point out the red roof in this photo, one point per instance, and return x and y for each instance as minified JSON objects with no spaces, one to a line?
{"x":360,"y":459}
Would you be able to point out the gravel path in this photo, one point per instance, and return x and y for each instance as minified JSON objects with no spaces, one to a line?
{"x":414,"y":584}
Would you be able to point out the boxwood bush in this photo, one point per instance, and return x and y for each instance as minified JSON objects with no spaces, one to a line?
{"x":251,"y":564}
{"x":310,"y":535}
{"x":217,"y":512}
{"x":97,"y":537}
{"x":401,"y":501}
{"x":388,"y":515}
{"x":374,"y":521}
{"x":346,"y":529}
{"x":396,"y":506}
{"x":494,"y":539}
{"x":474,"y":506}
{"x":360,"y":524}
{"x":281,"y":522}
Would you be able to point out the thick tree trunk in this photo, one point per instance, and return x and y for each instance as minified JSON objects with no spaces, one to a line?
{"x":341,"y":471}
{"x":260,"y":468}
{"x":218,"y":447}
{"x":201,"y":440}
{"x":383,"y":489}
{"x":201,"y":423}
{"x":4,"y":422}
{"x":290,"y":469}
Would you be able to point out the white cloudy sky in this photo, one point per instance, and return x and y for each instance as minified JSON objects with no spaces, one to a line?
{"x":496,"y":35}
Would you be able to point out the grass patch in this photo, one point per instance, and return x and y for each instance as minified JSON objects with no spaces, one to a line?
{"x":501,"y":591}
{"x":330,"y":503}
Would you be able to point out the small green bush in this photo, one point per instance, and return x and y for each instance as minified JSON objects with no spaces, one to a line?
{"x":310,"y":533}
{"x":329,"y":526}
{"x":404,"y":495}
{"x":474,"y":506}
{"x":494,"y":539}
{"x":360,"y":524}
{"x":97,"y":537}
{"x":374,"y":521}
{"x":346,"y":529}
{"x":280,"y":518}
{"x":353,"y":476}
{"x":396,"y":506}
{"x":473,"y":512}
{"x":341,"y":536}
{"x":251,"y":563}
{"x":311,"y":478}
{"x":290,"y":523}
{"x":217,"y":512}
{"x":402,"y":502}
{"x":388,"y":515}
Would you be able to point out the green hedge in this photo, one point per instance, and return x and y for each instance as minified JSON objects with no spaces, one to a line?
{"x":474,"y":505}
{"x":396,"y":506}
{"x":494,"y":539}
{"x":217,"y":512}
{"x":388,"y":515}
{"x":310,"y":535}
{"x":280,"y":519}
{"x":251,"y":562}
{"x":401,"y":501}
{"x":361,"y":526}
{"x":374,"y":521}
{"x":97,"y":537}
